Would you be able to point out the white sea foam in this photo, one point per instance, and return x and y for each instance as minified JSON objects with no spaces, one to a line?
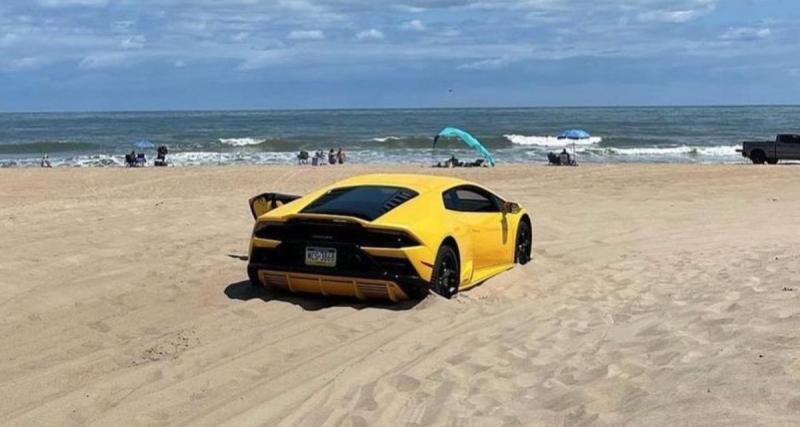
{"x":386,"y":138}
{"x":551,"y":141}
{"x":241,"y":142}
{"x":711,"y":151}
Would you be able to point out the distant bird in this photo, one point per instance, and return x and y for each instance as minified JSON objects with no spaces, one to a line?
{"x":450,"y":90}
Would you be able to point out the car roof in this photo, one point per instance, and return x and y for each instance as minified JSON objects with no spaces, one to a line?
{"x":417,"y":182}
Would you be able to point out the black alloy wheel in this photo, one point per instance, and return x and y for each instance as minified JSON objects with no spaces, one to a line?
{"x":446,"y":273}
{"x":524,"y":243}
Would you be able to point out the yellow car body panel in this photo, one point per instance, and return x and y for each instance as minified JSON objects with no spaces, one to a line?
{"x":485,"y":242}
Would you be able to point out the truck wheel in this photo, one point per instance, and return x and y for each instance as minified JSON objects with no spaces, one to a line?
{"x":758,"y":157}
{"x":772,"y":161}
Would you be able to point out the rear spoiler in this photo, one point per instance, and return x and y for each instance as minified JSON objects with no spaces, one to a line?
{"x":263,"y":203}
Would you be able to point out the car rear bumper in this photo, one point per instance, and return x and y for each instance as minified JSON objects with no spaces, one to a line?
{"x":329,"y":285}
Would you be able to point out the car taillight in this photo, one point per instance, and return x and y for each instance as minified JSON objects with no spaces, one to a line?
{"x":269,"y":230}
{"x":387,"y":239}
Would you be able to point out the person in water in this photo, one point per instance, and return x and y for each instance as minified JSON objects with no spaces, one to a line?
{"x":46,"y":161}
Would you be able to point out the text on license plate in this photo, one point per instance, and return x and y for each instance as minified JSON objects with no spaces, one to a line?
{"x":322,"y":257}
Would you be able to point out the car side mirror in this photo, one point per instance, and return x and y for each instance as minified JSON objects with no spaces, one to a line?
{"x":511,"y":208}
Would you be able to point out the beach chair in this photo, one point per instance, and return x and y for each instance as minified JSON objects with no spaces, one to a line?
{"x":141,"y":160}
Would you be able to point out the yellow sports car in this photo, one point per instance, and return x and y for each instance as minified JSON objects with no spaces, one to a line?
{"x":386,"y":236}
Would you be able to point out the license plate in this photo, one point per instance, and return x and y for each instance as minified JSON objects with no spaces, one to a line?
{"x":321,"y":257}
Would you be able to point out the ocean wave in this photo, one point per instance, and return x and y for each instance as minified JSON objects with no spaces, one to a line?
{"x":47,"y":147}
{"x":241,"y":142}
{"x":386,"y":138}
{"x":682,"y":150}
{"x":550,"y":141}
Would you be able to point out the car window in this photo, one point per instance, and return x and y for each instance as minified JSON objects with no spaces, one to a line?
{"x":470,"y":199}
{"x":367,"y":202}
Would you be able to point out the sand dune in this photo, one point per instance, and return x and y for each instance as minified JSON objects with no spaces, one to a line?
{"x":659,"y":295}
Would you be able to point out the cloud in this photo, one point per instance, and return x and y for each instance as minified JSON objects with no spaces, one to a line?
{"x":746,"y":33}
{"x":487,"y":64}
{"x":134,"y":42}
{"x":371,"y":34}
{"x":678,"y":12}
{"x":23,"y":64}
{"x":104,"y":60}
{"x":306,"y":35}
{"x":240,"y":36}
{"x":413,"y":25}
{"x":68,"y":3}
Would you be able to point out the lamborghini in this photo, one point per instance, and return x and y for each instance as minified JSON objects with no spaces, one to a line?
{"x":386,"y":236}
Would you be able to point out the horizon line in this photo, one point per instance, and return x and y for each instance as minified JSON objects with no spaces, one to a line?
{"x":203,"y":110}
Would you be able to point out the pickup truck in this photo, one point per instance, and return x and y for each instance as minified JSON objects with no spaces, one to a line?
{"x":784,"y":147}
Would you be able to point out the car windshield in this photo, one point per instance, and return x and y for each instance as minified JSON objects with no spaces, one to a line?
{"x":367,"y":202}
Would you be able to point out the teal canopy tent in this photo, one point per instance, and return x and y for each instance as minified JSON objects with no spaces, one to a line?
{"x":466,"y":138}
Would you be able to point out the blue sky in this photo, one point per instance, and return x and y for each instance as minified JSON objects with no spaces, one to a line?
{"x":65,"y":55}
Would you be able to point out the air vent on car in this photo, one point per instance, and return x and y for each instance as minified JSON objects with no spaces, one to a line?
{"x":398,"y":199}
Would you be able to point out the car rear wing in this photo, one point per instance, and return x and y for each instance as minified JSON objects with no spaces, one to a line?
{"x":263,"y":203}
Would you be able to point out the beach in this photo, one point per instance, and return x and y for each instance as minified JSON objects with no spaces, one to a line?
{"x":658,"y":295}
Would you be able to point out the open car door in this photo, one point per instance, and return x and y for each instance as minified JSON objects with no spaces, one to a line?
{"x":263,"y":203}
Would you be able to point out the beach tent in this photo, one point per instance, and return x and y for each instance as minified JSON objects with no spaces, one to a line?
{"x":144,"y":144}
{"x":467,"y":139}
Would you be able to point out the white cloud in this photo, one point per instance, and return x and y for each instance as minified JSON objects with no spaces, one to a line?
{"x":371,"y":34}
{"x":487,"y":64}
{"x":134,"y":42}
{"x":413,"y":25}
{"x":104,"y":60}
{"x":306,"y":35}
{"x":678,"y":12}
{"x":67,"y":3}
{"x":25,"y":63}
{"x":240,"y":36}
{"x":746,"y":33}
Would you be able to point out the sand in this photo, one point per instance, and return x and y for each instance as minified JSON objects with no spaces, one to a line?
{"x":659,"y":295}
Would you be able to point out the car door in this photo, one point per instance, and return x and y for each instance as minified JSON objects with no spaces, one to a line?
{"x":793,"y":147}
{"x":481,"y":211}
{"x":787,"y":147}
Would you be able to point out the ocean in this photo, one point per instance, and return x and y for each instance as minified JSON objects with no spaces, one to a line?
{"x":514,"y":135}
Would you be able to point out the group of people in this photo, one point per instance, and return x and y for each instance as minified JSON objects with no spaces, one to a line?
{"x":453,"y":162}
{"x":562,"y":159}
{"x":134,"y":159}
{"x":320,"y":159}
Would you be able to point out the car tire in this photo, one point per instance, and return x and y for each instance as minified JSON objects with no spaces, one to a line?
{"x":758,"y":157}
{"x":523,"y":243}
{"x":446,"y":272}
{"x":772,"y":161}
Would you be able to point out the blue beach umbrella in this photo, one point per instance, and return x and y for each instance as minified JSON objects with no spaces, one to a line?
{"x":467,"y":139}
{"x":144,"y":144}
{"x":574,"y":134}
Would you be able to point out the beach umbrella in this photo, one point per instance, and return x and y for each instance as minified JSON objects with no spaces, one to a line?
{"x":467,"y":139}
{"x":575,"y":134}
{"x":144,"y":144}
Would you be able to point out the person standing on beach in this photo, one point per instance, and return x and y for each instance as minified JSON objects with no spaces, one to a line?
{"x":46,"y":161}
{"x":331,"y":157}
{"x":340,"y":156}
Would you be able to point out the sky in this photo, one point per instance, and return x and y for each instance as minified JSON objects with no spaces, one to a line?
{"x":93,"y":55}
